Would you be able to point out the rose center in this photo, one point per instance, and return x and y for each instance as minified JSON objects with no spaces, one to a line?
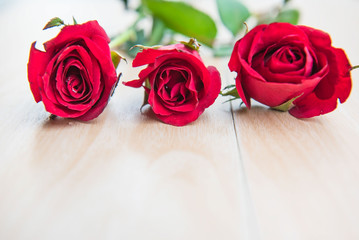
{"x":74,"y":82}
{"x":175,"y":84}
{"x":289,"y":55}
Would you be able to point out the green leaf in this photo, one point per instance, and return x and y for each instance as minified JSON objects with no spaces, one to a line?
{"x":54,"y":22}
{"x":223,"y":51}
{"x":123,"y":38}
{"x":116,"y":58}
{"x":184,"y":19}
{"x":289,"y":16}
{"x":233,"y":14}
{"x":287,"y":105}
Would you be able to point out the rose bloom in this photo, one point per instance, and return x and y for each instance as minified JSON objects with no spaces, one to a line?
{"x":278,"y":62}
{"x":75,"y":75}
{"x":181,"y":87}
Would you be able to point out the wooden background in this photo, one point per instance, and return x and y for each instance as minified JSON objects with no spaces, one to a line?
{"x":232,"y":174}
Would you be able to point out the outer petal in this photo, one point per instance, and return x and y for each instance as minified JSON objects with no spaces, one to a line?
{"x":108,"y":79}
{"x":76,"y":32}
{"x":181,"y":47}
{"x":35,"y":69}
{"x":181,"y":119}
{"x":213,"y":89}
{"x":134,"y":83}
{"x":318,"y":38}
{"x":314,"y":104}
{"x":236,"y":65}
{"x":147,"y":56}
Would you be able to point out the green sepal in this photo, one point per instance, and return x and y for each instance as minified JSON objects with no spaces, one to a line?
{"x":74,"y":20}
{"x":54,"y":22}
{"x":116,"y":58}
{"x":232,"y":91}
{"x":146,"y":95}
{"x":115,"y":85}
{"x":192,"y":44}
{"x":52,"y":116}
{"x":287,"y":105}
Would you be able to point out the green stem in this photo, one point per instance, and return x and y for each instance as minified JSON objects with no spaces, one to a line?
{"x":126,"y":35}
{"x":354,"y":67}
{"x":122,"y":38}
{"x":158,"y":29}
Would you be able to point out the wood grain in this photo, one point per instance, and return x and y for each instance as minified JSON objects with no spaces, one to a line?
{"x":303,"y":175}
{"x":124,"y":175}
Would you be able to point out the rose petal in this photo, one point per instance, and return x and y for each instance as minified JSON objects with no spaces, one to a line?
{"x":134,"y":83}
{"x":212,"y":90}
{"x":318,"y":38}
{"x":36,"y":68}
{"x":180,"y":119}
{"x":183,"y":48}
{"x":70,"y":33}
{"x":147,"y":56}
{"x":157,"y":105}
{"x":311,"y":106}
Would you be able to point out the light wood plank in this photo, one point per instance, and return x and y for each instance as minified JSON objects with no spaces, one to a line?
{"x":122,"y":176}
{"x":303,"y":175}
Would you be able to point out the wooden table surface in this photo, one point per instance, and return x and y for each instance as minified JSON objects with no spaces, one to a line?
{"x":232,"y":174}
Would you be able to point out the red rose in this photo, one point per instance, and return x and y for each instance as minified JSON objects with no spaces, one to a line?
{"x":181,"y":87}
{"x":278,"y":62}
{"x":75,"y":76}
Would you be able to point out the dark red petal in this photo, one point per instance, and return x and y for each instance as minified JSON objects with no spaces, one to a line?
{"x":157,"y":104}
{"x":312,"y":106}
{"x":35,"y":69}
{"x":272,"y":34}
{"x":134,"y":83}
{"x":345,"y":83}
{"x":147,"y":56}
{"x":246,"y":44}
{"x":318,"y":38}
{"x":183,"y":48}
{"x":60,"y":110}
{"x":94,"y":88}
{"x":69,"y":33}
{"x":324,"y":99}
{"x":274,"y":94}
{"x":234,"y":64}
{"x":243,"y":94}
{"x":180,"y":119}
{"x":101,"y":51}
{"x":213,"y":89}
{"x":101,"y":103}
